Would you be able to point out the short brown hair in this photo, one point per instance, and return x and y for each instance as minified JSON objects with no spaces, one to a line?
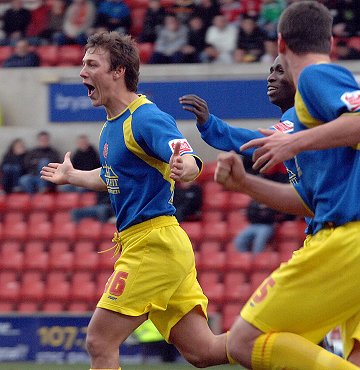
{"x":306,"y":27}
{"x":123,"y":53}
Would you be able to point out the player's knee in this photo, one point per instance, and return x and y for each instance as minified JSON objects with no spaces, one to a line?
{"x":94,"y":345}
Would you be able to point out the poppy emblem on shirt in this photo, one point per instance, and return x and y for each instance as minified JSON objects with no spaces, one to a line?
{"x":352,"y":100}
{"x":106,"y":150}
{"x":284,"y":126}
{"x":184,"y":147}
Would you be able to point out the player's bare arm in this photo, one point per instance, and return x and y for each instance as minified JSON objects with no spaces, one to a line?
{"x":277,"y":147}
{"x":230,"y":172}
{"x":65,"y":173}
{"x":196,"y":105}
{"x":183,"y":168}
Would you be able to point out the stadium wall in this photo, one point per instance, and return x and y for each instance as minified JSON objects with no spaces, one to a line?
{"x":25,"y":105}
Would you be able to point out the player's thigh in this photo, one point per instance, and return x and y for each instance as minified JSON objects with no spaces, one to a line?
{"x":311,"y":294}
{"x":108,"y":328}
{"x":354,"y":356}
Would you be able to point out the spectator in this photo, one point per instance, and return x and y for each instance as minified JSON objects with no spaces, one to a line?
{"x":250,"y":41}
{"x":154,"y":19}
{"x":269,"y":16}
{"x":23,"y":56}
{"x":346,"y":15}
{"x":39,"y":20}
{"x":15,"y":22}
{"x":183,"y":10}
{"x":171,"y":39}
{"x":55,"y":21}
{"x":114,"y":15}
{"x":345,"y":52}
{"x":231,"y":9}
{"x":271,"y":51}
{"x":78,"y":19}
{"x":221,"y":41}
{"x":13,"y":165}
{"x":187,"y":200}
{"x":207,"y":10}
{"x":260,"y":229}
{"x":35,"y":159}
{"x":85,"y":158}
{"x":195,"y":41}
{"x":101,"y":211}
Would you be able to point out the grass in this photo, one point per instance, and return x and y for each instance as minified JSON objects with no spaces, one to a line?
{"x":36,"y":366}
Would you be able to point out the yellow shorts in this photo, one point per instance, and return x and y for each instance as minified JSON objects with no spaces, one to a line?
{"x":317,"y":290}
{"x":155,"y":274}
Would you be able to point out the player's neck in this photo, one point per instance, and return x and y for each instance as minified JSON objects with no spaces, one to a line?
{"x":297,"y":63}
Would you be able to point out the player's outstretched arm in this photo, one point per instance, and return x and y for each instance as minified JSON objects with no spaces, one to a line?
{"x":65,"y":173}
{"x":230,"y":172}
{"x":278,"y":147}
{"x":183,"y":168}
{"x":196,"y":105}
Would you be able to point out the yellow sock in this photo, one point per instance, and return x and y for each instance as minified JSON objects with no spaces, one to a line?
{"x":231,"y":360}
{"x":282,"y":351}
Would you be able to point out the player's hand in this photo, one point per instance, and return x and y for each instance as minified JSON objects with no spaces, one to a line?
{"x":230,"y":171}
{"x":275,"y":148}
{"x":196,"y":105}
{"x":57,"y":173}
{"x":176,"y":164}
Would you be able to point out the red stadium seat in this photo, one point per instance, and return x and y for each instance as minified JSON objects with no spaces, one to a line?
{"x":6,"y":307}
{"x":236,"y":288}
{"x":13,"y":216}
{"x":79,"y":307}
{"x":49,"y":55}
{"x":212,"y":216}
{"x":107,"y":232}
{"x":65,"y":231}
{"x":5,"y":53}
{"x":35,"y":256}
{"x":56,"y":289}
{"x":61,"y":217}
{"x":36,"y":217}
{"x":266,"y":261}
{"x":212,"y":260}
{"x":137,"y":21}
{"x":257,"y":278}
{"x":63,"y":261}
{"x":105,"y":259}
{"x":32,"y":289}
{"x":87,"y":198}
{"x":230,"y":312}
{"x":83,"y":288}
{"x":238,"y":200}
{"x":194,"y":230}
{"x":70,"y":55}
{"x":216,"y":231}
{"x":146,"y":50}
{"x":15,"y":231}
{"x":43,"y":202}
{"x":40,"y":231}
{"x":9,"y":291}
{"x":89,"y":229}
{"x":53,"y":307}
{"x":18,"y":202}
{"x":219,"y":200}
{"x":239,"y":261}
{"x":11,"y":260}
{"x":27,"y":307}
{"x":85,"y":260}
{"x":67,"y":201}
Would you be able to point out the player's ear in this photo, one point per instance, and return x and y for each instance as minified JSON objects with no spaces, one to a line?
{"x":281,"y":44}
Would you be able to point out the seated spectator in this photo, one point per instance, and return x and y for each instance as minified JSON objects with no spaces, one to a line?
{"x":171,"y":39}
{"x":114,"y":15}
{"x":232,"y":10}
{"x":183,"y":10}
{"x":207,"y":10}
{"x":270,"y":51}
{"x":259,"y":231}
{"x":39,"y":20}
{"x":346,"y":15}
{"x":101,"y":211}
{"x":195,"y":41}
{"x":269,"y":16}
{"x":16,"y":20}
{"x":22,"y":56}
{"x":78,"y":19}
{"x":153,"y":20}
{"x":345,"y":52}
{"x":187,"y":200}
{"x":55,"y":21}
{"x":85,"y":158}
{"x":221,"y":41}
{"x":13,"y":165}
{"x":250,"y":41}
{"x":35,"y":159}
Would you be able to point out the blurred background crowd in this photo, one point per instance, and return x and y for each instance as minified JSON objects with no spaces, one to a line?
{"x":167,"y":31}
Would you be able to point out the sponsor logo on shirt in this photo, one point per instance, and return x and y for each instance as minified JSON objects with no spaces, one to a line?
{"x":352,"y":100}
{"x":284,"y":127}
{"x":184,"y":148}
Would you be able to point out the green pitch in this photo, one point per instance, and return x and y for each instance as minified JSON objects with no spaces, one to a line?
{"x":33,"y":366}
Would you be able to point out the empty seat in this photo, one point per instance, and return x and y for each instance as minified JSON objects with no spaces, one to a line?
{"x":218,"y":200}
{"x":57,"y":289}
{"x":70,"y":55}
{"x":107,"y":232}
{"x":238,"y":200}
{"x":236,"y":288}
{"x":6,"y":307}
{"x":15,"y":231}
{"x":40,"y":231}
{"x":212,"y":260}
{"x":43,"y":202}
{"x":48,"y":54}
{"x":65,"y":231}
{"x":216,"y":231}
{"x":27,"y":307}
{"x":87,"y":198}
{"x":106,"y":260}
{"x":85,"y":260}
{"x":83,"y":288}
{"x":256,"y":279}
{"x":11,"y":260}
{"x":18,"y":202}
{"x":63,"y":261}
{"x":89,"y":229}
{"x":194,"y":230}
{"x":35,"y":256}
{"x":9,"y":291}
{"x":239,"y":261}
{"x":13,"y":216}
{"x":53,"y":307}
{"x":78,"y":307}
{"x":36,"y":217}
{"x":67,"y":201}
{"x":266,"y":261}
{"x":230,"y":312}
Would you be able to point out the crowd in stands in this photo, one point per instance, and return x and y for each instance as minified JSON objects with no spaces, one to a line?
{"x":168,"y":31}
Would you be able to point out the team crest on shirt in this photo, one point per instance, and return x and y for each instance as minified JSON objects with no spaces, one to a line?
{"x":106,"y":150}
{"x":352,"y":100}
{"x":285,"y":127}
{"x":184,"y":148}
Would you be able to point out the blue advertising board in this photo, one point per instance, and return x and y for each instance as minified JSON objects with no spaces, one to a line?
{"x":233,"y":99}
{"x":43,"y":338}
